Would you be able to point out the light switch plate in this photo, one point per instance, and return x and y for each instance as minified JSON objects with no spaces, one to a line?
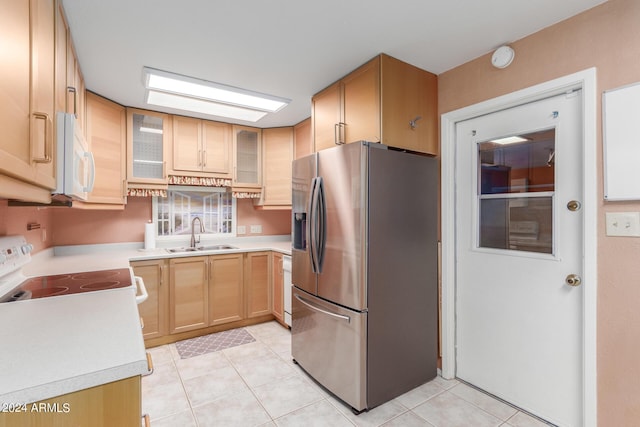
{"x":241,"y":229}
{"x":256,"y":229}
{"x":623,"y":223}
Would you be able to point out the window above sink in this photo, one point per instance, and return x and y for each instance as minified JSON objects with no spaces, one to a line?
{"x":173,"y":215}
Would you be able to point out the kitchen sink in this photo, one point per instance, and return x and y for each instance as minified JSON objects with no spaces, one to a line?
{"x":215,"y":247}
{"x":183,"y":249}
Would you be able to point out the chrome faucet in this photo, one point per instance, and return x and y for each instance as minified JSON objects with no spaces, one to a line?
{"x":193,"y":231}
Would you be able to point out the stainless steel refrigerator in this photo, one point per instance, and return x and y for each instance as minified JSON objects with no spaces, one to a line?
{"x":364,"y":271}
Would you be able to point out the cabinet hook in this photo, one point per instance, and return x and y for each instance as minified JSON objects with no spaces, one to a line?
{"x":412,"y":123}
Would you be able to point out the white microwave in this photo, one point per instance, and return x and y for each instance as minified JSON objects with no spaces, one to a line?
{"x":75,"y":167}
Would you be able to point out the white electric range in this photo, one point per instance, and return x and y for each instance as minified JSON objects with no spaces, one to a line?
{"x":65,"y":332}
{"x":15,"y":253}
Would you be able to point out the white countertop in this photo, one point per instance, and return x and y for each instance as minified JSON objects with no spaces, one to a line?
{"x":73,"y":259}
{"x":47,"y":351}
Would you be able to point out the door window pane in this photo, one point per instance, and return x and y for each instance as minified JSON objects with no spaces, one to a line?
{"x":526,"y":166}
{"x":516,"y":185}
{"x":518,"y":224}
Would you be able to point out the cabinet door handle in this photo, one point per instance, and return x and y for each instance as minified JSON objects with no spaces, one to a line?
{"x":73,"y":90}
{"x":143,"y":290}
{"x":48,"y":136}
{"x":204,"y":158}
{"x":338,"y":132}
{"x":149,"y":364}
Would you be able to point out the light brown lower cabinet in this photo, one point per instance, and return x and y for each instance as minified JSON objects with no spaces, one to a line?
{"x":113,"y":404}
{"x":198,"y":295}
{"x":258,"y":283}
{"x":188,"y":294}
{"x":155,"y":310}
{"x":226,"y":296}
{"x":205,"y":291}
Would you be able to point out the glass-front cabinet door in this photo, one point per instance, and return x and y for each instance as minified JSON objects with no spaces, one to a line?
{"x":247,"y":157}
{"x":147,"y":134}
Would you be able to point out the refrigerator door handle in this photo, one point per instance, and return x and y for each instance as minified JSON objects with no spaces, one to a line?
{"x":322,"y":310}
{"x":313,"y":228}
{"x":321,"y":238}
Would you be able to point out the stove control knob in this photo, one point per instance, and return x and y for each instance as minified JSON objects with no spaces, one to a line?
{"x":26,"y":249}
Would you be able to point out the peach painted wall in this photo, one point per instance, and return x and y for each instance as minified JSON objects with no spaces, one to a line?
{"x":83,"y":227}
{"x":80,"y":227}
{"x":606,"y":37}
{"x":14,"y":220}
{"x":273,"y":222}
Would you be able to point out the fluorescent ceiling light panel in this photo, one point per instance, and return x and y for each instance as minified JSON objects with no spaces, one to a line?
{"x":509,"y":140}
{"x":227,"y":98}
{"x":185,"y":103}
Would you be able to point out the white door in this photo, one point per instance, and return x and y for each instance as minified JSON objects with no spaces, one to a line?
{"x":519,"y":256}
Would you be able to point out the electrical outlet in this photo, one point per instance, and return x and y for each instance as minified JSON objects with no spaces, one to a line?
{"x":241,"y":229}
{"x":623,"y":223}
{"x":256,"y":229}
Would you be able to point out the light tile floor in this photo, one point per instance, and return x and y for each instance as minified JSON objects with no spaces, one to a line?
{"x":257,"y":384}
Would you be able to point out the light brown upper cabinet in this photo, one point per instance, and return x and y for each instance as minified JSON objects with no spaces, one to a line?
{"x":384,"y":100}
{"x":247,"y":158}
{"x":277,"y":147}
{"x":349,"y":110}
{"x":326,"y":117}
{"x":148,"y":138}
{"x":62,"y":38}
{"x":76,"y":94}
{"x":106,"y":135}
{"x":27,"y":115}
{"x":70,"y":86}
{"x":201,"y":147}
{"x":302,"y":139}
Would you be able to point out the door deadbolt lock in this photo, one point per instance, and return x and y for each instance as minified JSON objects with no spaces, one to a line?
{"x":573,"y":205}
{"x":573,"y":280}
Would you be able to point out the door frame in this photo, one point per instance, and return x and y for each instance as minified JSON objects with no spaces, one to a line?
{"x":585,"y":80}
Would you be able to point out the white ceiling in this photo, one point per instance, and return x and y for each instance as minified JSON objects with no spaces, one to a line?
{"x":289,"y":48}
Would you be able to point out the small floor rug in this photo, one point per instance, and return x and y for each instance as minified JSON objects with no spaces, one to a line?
{"x":213,"y":342}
